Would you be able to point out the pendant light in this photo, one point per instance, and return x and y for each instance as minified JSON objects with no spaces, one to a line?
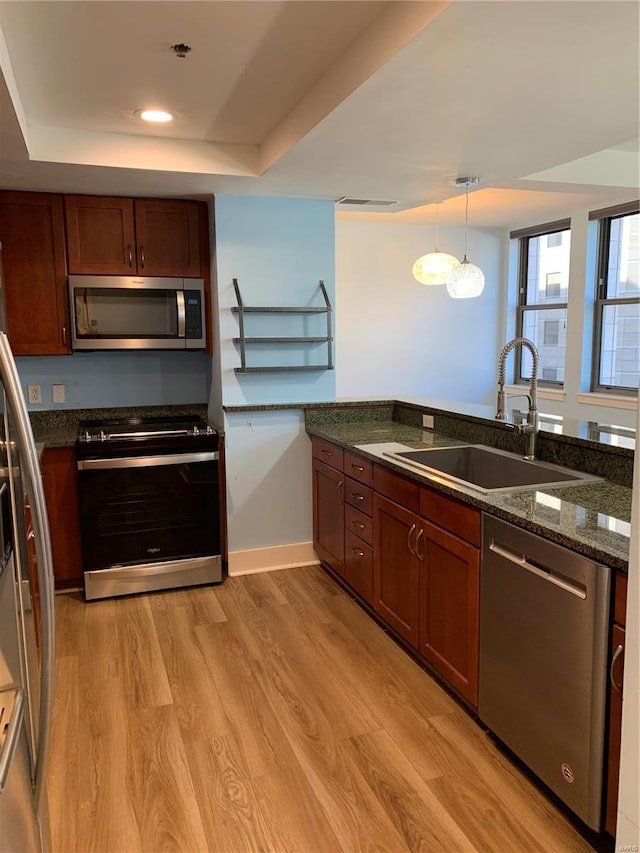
{"x":434,"y":267}
{"x":466,"y":280}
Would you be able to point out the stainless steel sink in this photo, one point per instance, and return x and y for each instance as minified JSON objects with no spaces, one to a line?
{"x":489,"y":470}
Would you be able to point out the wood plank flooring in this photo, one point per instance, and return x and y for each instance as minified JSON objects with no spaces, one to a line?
{"x":270,"y":714}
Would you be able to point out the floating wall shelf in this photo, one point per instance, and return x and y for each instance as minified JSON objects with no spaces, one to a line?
{"x":241,"y":310}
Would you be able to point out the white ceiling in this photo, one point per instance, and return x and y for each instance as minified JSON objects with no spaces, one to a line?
{"x":382,"y":100}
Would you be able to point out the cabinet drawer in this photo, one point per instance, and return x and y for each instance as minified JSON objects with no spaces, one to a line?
{"x":357,"y":495}
{"x":359,"y":524}
{"x":358,"y":468}
{"x":458,"y":518}
{"x":329,"y":453}
{"x":396,"y":488}
{"x":358,"y":558}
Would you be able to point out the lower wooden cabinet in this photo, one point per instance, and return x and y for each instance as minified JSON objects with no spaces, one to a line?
{"x":616,"y":667}
{"x":60,"y":481}
{"x":449,"y":592}
{"x":328,"y":515}
{"x":395,"y":567}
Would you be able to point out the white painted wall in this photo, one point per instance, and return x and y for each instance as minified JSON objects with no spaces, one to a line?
{"x":398,"y":338}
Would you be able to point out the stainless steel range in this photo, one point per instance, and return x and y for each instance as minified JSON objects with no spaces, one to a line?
{"x":149,"y":493}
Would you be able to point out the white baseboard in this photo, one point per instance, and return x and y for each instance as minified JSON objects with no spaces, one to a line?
{"x":271,"y":559}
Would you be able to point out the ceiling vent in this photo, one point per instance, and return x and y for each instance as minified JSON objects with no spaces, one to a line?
{"x":365,"y":202}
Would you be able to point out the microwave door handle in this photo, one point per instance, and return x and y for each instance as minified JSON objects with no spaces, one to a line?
{"x":181,"y":314}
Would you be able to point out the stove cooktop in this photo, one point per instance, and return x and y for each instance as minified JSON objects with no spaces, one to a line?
{"x":139,"y":429}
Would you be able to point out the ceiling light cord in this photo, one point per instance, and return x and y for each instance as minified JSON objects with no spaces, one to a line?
{"x":466,"y":224}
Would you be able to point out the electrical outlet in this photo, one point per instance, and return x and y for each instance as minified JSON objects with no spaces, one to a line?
{"x":427,"y":421}
{"x":34,"y":393}
{"x":57,"y":394}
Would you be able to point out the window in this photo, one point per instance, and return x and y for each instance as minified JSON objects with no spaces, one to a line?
{"x":543,"y":286}
{"x":616,"y":362}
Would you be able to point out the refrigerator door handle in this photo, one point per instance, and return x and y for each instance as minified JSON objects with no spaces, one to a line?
{"x":11,"y":716}
{"x":40,"y":522}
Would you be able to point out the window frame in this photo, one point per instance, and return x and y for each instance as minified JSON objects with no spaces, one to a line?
{"x":605,"y":218}
{"x":524,"y":236}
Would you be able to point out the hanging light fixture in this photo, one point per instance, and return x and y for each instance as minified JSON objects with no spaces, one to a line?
{"x":466,"y":280}
{"x":434,"y":267}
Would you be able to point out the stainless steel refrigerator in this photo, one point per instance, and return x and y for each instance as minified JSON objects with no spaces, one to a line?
{"x":26,"y":622}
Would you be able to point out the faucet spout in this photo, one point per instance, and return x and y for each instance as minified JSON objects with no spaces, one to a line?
{"x":529,"y":429}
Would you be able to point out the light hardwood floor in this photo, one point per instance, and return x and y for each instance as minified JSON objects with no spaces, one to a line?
{"x":269,"y":714}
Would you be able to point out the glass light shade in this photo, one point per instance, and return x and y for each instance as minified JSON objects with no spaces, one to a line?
{"x":466,"y":281}
{"x":434,"y":268}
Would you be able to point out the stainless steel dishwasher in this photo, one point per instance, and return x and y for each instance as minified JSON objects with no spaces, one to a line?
{"x":543,"y":649}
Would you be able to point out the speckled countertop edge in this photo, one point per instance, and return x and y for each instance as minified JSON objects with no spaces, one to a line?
{"x":59,"y":427}
{"x":579,"y":507}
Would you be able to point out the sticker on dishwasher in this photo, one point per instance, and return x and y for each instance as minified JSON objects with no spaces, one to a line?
{"x":568,"y":774}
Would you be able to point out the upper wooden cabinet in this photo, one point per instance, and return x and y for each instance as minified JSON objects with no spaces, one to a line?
{"x":124,"y":236}
{"x":33,"y":260}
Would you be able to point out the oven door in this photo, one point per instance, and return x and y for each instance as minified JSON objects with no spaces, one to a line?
{"x":146,"y":511}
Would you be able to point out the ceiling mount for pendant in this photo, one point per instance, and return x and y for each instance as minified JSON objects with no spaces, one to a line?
{"x":181,"y":49}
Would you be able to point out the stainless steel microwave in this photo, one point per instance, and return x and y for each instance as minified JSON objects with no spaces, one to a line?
{"x":125,"y":312}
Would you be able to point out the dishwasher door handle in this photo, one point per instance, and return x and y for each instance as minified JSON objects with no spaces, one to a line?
{"x":521,"y":561}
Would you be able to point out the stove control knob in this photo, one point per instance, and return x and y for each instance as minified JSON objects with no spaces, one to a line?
{"x":103,"y":437}
{"x":195,"y":430}
{"x":209,"y":430}
{"x":87,"y":435}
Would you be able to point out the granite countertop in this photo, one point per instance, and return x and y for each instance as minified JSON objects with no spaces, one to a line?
{"x":59,"y":427}
{"x":592,"y":519}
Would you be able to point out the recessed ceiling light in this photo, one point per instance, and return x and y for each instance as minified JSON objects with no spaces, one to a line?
{"x":155,"y":116}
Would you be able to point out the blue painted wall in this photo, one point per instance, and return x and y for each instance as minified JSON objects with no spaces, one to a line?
{"x":278,"y":249}
{"x":119,"y":378}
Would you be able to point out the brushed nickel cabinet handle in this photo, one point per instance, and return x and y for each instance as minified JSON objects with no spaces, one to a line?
{"x":357,"y":497}
{"x":616,"y":655}
{"x":142,"y":257}
{"x":326,"y":452}
{"x":64,"y":336}
{"x":358,"y":552}
{"x":130,"y":251}
{"x":357,"y":524}
{"x":411,"y":551}
{"x":357,"y":467}
{"x":339,"y":486}
{"x":418,"y":554}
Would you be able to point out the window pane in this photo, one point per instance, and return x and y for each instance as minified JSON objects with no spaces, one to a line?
{"x":623,"y":272}
{"x":620,"y":346}
{"x":547,"y":328}
{"x":548,"y":268}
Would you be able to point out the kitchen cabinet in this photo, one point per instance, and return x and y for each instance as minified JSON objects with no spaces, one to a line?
{"x":358,"y":525}
{"x":328,"y":504}
{"x":59,"y":473}
{"x":124,"y":236}
{"x":616,"y":666}
{"x":33,"y":261}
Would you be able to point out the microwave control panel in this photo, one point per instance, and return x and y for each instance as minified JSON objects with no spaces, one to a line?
{"x":193,"y":313}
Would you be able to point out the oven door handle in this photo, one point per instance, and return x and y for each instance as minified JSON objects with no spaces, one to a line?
{"x":146,"y":461}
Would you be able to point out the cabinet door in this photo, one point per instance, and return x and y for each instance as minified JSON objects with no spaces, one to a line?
{"x":60,"y":480}
{"x":100,"y":235}
{"x":449,"y":607}
{"x":32,"y":237}
{"x":615,"y":729}
{"x":395,"y":567}
{"x":167,"y":237}
{"x":328,"y":515}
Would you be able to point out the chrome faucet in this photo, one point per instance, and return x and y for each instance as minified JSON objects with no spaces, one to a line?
{"x":530,"y":428}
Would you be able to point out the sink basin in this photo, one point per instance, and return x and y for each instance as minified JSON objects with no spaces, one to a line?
{"x":489,"y":470}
